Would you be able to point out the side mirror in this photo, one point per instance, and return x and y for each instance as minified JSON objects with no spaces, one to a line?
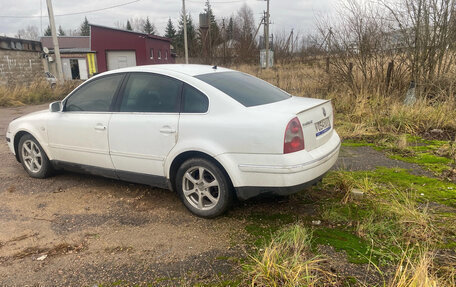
{"x":55,"y":107}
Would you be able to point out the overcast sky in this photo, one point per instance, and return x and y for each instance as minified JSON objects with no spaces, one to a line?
{"x":285,"y":14}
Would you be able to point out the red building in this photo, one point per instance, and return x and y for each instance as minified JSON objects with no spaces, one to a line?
{"x":117,"y":48}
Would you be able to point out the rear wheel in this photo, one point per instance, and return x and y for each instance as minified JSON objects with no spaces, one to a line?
{"x":203,"y":187}
{"x":33,"y":158}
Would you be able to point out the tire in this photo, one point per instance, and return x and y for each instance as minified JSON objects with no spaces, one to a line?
{"x":208,"y":196}
{"x":33,"y":158}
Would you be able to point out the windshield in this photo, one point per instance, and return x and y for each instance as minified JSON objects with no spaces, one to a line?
{"x":247,"y":90}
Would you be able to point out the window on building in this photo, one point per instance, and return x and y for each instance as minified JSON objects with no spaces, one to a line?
{"x":151,"y":93}
{"x":166,"y":55}
{"x":95,"y":96}
{"x":159,"y":54}
{"x":152,"y":53}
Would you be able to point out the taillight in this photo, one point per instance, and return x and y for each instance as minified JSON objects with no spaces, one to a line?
{"x":294,"y":140}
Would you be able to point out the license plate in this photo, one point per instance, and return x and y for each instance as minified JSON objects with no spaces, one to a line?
{"x":322,"y":126}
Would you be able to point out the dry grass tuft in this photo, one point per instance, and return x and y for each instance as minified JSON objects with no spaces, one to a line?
{"x":418,"y":271}
{"x":287,"y":261}
{"x":36,"y":93}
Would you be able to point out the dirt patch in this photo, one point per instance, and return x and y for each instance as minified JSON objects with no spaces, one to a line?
{"x":367,"y":158}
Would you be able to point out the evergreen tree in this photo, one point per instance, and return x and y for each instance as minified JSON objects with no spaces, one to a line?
{"x":149,"y":28}
{"x":215,"y":30}
{"x":191,"y":37}
{"x":85,"y":28}
{"x":48,"y":31}
{"x":128,"y":27}
{"x":61,"y":32}
{"x":170,"y":32}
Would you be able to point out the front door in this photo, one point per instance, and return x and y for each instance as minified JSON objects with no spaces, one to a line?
{"x":79,"y":134}
{"x":144,"y":130}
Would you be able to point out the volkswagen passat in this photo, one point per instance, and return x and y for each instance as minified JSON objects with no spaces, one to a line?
{"x":208,"y":133}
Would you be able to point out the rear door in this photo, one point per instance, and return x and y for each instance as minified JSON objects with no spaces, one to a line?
{"x":145,"y":127}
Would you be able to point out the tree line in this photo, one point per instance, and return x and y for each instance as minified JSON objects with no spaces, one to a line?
{"x":236,"y":32}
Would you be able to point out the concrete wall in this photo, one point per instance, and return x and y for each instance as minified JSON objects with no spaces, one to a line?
{"x":20,"y":67}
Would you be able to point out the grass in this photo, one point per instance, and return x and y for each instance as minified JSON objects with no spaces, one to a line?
{"x":287,"y":261}
{"x":391,"y":227}
{"x":358,"y":250}
{"x":36,"y":93}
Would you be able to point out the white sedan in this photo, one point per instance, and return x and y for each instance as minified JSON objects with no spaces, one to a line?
{"x":209,"y":133}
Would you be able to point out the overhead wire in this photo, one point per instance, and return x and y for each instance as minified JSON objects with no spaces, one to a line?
{"x":74,"y":13}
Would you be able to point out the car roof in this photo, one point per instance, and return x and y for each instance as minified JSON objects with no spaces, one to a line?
{"x":188,"y":69}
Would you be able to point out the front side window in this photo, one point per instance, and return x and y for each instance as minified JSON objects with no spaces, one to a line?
{"x":247,"y":90}
{"x":95,"y":96}
{"x":166,"y":55}
{"x":194,"y":101}
{"x":159,"y":54}
{"x":145,"y":92}
{"x":152,"y":53}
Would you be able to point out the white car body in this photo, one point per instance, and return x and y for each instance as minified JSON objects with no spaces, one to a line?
{"x":248,"y":142}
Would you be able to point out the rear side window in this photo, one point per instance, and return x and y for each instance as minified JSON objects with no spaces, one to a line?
{"x":145,"y":92}
{"x":247,"y":90}
{"x":194,"y":100}
{"x":95,"y":96}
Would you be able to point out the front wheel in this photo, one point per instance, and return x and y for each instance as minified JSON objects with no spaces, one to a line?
{"x":203,"y":187}
{"x":33,"y":158}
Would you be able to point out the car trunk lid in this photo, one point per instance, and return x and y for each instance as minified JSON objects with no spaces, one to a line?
{"x":315,"y":115}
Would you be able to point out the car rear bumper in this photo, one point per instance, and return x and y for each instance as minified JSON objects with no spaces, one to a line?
{"x":255,"y":174}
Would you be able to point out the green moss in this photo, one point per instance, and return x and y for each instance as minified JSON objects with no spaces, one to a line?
{"x":352,"y":143}
{"x":263,"y":225}
{"x":358,"y":251}
{"x":432,"y":162}
{"x":425,"y":188}
{"x":223,"y":283}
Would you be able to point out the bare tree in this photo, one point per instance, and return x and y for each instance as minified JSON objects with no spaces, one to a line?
{"x":244,"y":29}
{"x":427,"y":33}
{"x":30,"y":33}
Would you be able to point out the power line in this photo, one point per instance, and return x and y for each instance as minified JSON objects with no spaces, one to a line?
{"x":75,"y":13}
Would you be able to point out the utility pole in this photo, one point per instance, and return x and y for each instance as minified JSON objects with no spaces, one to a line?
{"x":266,"y":36}
{"x":185,"y":32}
{"x":56,"y":42}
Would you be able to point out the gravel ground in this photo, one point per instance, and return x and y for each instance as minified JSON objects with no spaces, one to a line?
{"x":93,"y":230}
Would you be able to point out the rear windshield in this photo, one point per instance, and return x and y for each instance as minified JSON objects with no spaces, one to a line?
{"x":245,"y":89}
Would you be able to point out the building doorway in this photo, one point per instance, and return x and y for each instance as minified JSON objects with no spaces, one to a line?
{"x":74,"y":65}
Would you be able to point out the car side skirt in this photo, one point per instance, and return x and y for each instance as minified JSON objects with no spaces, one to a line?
{"x":141,"y":178}
{"x":246,"y":192}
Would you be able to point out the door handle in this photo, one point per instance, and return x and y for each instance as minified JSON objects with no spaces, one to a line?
{"x":100,"y":127}
{"x":167,"y":130}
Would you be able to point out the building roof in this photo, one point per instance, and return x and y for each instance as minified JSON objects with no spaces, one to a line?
{"x":73,"y":51}
{"x":138,"y":33}
{"x":8,"y":43}
{"x":67,"y":42}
